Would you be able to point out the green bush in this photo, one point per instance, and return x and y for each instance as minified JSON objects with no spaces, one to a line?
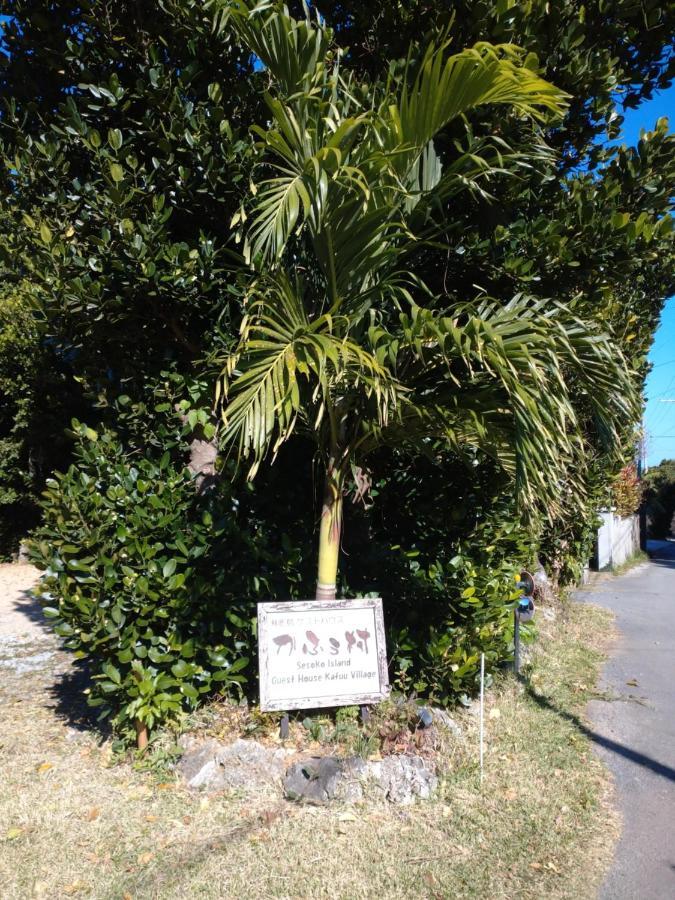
{"x":130,"y":584}
{"x":448,"y":580}
{"x":438,"y":654}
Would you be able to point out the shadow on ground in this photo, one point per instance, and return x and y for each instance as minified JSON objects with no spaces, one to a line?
{"x":66,"y":695}
{"x":29,"y":606}
{"x":639,"y":759}
{"x":70,"y":701}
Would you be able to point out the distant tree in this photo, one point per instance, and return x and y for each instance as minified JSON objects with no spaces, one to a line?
{"x":660,"y":498}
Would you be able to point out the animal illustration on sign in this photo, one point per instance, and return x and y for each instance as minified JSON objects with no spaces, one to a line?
{"x":312,"y":647}
{"x":284,"y":640}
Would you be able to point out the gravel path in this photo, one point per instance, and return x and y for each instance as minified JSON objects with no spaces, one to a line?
{"x":634,"y":729}
{"x":31,"y":659}
{"x":19,"y":613}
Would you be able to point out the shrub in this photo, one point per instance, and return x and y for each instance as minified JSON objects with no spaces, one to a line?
{"x":438,"y":654}
{"x":129,"y":583}
{"x":627,"y":491}
{"x":449,"y":581}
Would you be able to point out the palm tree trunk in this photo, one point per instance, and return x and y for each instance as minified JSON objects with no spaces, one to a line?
{"x":330,"y":532}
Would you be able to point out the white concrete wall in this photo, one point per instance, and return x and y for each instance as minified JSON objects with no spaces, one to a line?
{"x":605,"y":540}
{"x":618,"y":539}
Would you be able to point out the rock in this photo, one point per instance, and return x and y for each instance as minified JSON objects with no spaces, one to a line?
{"x":399,"y":779}
{"x":405,"y":778}
{"x":320,"y":779}
{"x":243,"y":764}
{"x":548,"y":613}
{"x":444,"y":720}
{"x":426,"y":717}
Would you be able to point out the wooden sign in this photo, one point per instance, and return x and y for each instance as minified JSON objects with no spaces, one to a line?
{"x":317,"y":653}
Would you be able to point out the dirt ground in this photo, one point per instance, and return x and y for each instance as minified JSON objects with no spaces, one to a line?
{"x":30,"y":656}
{"x":20,"y":615}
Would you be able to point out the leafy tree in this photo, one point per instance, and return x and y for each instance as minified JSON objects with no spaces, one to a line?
{"x":358,"y":352}
{"x":659,"y":497}
{"x":119,"y":132}
{"x":35,"y":395}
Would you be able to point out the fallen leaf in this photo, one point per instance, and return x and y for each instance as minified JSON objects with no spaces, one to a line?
{"x":510,"y":795}
{"x":269,"y":816}
{"x":127,"y":896}
{"x":633,"y":682}
{"x":13,"y":833}
{"x":259,"y":836}
{"x":447,"y":810}
{"x":187,"y":820}
{"x":494,"y":713}
{"x":151,"y":818}
{"x":535,"y":865}
{"x":44,"y":767}
{"x":347,"y":817}
{"x":145,"y":858}
{"x":93,"y":813}
{"x":74,"y":888}
{"x":166,"y":786}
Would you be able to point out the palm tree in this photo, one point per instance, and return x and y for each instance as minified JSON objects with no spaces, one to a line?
{"x":340,"y":338}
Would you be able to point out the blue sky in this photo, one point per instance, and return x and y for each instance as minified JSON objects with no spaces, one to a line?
{"x":659,"y":415}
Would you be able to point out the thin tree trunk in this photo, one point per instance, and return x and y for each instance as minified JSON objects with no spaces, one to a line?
{"x":141,"y":734}
{"x":329,"y":536}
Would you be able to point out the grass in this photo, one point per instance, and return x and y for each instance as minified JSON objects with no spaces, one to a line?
{"x":75,"y":823}
{"x":635,"y":559}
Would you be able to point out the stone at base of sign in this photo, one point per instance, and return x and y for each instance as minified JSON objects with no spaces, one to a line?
{"x":249,"y":767}
{"x":399,"y":779}
{"x":211,"y":765}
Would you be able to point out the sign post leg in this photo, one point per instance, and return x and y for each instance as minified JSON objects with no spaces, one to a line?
{"x":283,"y":727}
{"x":365,"y":715}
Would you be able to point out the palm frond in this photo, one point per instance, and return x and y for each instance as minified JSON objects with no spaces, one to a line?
{"x":292,"y":51}
{"x":288,"y":368}
{"x":444,"y":87}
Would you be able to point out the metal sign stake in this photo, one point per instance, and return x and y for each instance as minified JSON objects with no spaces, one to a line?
{"x":482,"y":707}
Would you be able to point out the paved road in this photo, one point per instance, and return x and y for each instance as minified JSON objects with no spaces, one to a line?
{"x":635,"y":733}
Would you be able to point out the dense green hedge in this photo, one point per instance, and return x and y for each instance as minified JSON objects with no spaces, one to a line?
{"x":130,"y":584}
{"x":155,"y":585}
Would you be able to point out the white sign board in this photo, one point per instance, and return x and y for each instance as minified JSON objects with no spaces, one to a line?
{"x":317,"y":653}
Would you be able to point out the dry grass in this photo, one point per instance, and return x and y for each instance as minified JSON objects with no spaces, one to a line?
{"x":541,"y":825}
